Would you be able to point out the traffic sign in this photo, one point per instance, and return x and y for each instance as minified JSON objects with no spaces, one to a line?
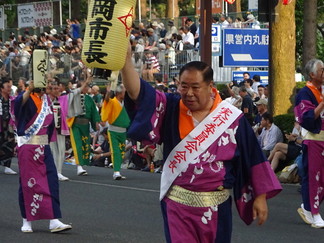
{"x":246,"y":47}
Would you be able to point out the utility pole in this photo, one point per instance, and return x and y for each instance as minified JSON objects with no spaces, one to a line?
{"x":205,"y":31}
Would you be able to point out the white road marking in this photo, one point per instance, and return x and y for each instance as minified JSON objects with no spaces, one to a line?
{"x":116,"y":186}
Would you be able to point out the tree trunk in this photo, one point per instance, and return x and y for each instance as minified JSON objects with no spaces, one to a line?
{"x":282,"y":59}
{"x":172,"y":13}
{"x":76,"y":9}
{"x":143,"y":9}
{"x":309,"y":30}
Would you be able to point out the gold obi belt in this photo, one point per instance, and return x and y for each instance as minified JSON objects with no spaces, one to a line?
{"x":314,"y":136}
{"x":197,"y":199}
{"x":38,"y":140}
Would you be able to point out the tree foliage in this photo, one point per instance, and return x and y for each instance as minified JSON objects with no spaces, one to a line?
{"x":299,"y":14}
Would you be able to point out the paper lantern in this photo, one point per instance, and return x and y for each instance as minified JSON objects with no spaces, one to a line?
{"x":40,"y":67}
{"x":286,"y":2}
{"x":230,"y":1}
{"x":107,"y":33}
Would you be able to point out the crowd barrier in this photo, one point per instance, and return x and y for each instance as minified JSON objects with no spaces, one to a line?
{"x":66,"y":66}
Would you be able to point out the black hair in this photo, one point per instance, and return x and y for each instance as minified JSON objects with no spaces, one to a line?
{"x":57,"y":80}
{"x":268,"y":117}
{"x":105,"y":131}
{"x":179,"y":37}
{"x":249,"y":81}
{"x":204,"y":68}
{"x":246,"y":73}
{"x":256,"y":78}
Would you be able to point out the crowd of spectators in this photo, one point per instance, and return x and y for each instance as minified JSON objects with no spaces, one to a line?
{"x":156,"y":46}
{"x":170,"y":45}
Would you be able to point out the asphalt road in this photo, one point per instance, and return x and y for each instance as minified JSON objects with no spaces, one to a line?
{"x":103,"y":210}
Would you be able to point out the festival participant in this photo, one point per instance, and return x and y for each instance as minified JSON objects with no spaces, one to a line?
{"x":309,"y":110}
{"x":7,"y":138}
{"x":39,"y":189}
{"x":114,"y":112}
{"x":80,"y":131}
{"x":66,"y":105}
{"x":209,"y":148}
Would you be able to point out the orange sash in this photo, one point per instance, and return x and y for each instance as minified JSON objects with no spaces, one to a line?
{"x":37,"y":101}
{"x":186,"y":124}
{"x":317,"y":92}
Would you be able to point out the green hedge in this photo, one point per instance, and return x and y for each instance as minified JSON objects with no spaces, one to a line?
{"x":300,"y":85}
{"x":221,"y":87}
{"x":285,"y":122}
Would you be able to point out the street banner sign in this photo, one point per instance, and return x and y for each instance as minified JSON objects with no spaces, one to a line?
{"x":246,"y":47}
{"x":36,"y":14}
{"x":216,"y":34}
{"x":217,"y":7}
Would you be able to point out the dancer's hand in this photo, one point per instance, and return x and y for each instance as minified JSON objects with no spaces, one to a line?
{"x":260,"y":209}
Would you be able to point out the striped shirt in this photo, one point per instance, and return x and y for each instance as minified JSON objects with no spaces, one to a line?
{"x":152,"y":61}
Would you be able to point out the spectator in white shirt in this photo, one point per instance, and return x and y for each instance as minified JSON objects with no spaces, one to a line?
{"x":256,"y":82}
{"x":224,"y":22}
{"x":270,"y":135}
{"x":188,"y":39}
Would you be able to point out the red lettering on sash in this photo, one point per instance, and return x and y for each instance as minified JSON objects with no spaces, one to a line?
{"x":180,"y":155}
{"x":222,"y":116}
{"x":191,"y":145}
{"x":201,"y":137}
{"x":172,"y":165}
{"x":210,"y":128}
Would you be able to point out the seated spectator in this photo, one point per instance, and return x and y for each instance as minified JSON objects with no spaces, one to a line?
{"x":152,"y":43}
{"x":154,"y":154}
{"x":171,"y":30}
{"x":151,"y":66}
{"x":262,"y":107}
{"x":261,"y":92}
{"x":163,"y":31}
{"x":266,"y":92}
{"x":237,"y":23}
{"x":102,"y":153}
{"x":270,"y":134}
{"x":148,"y":152}
{"x":235,"y":98}
{"x":98,"y":138}
{"x":138,"y":158}
{"x":287,"y":151}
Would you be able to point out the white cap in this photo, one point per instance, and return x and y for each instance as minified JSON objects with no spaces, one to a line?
{"x":53,"y":31}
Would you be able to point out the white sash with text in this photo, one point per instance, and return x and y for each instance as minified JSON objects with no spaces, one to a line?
{"x":38,"y":123}
{"x":197,"y":142}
